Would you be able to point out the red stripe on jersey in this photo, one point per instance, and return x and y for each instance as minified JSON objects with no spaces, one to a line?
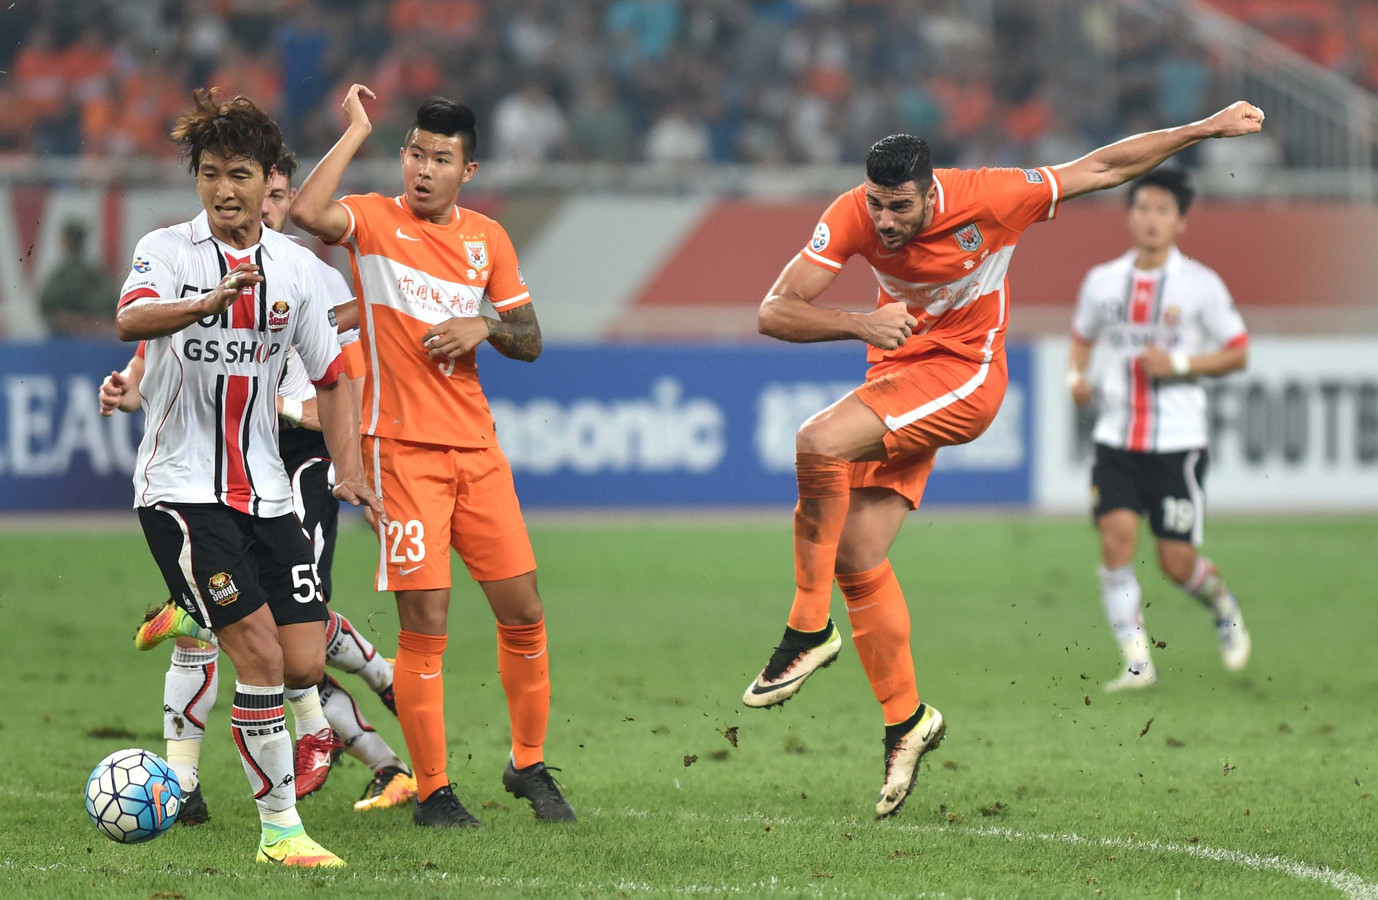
{"x":1140,"y":407}
{"x":242,"y":312}
{"x":136,"y":294}
{"x":141,"y":351}
{"x":333,"y":373}
{"x":1238,"y":341}
{"x":1141,"y":299}
{"x":237,"y":490}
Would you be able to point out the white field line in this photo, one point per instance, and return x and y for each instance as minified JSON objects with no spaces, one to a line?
{"x":1347,"y":883}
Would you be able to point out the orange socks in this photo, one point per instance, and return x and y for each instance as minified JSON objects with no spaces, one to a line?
{"x":880,"y":631}
{"x":525,"y":671}
{"x":825,"y":484}
{"x":420,"y":691}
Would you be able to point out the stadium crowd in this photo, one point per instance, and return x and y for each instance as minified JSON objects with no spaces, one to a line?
{"x":765,"y":81}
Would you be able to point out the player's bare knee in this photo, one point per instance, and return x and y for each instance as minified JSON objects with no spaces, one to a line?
{"x":302,"y":670}
{"x":814,"y":436}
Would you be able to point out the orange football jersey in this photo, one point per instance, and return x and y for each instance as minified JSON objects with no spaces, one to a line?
{"x":411,"y":274}
{"x":952,"y":274}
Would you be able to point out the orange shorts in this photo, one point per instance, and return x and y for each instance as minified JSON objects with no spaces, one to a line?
{"x":930,"y":402}
{"x":436,"y":498}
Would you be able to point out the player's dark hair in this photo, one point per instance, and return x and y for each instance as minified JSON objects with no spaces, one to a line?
{"x":899,"y":158}
{"x":440,"y":115}
{"x":1172,"y":179}
{"x":235,"y":129}
{"x":287,"y":165}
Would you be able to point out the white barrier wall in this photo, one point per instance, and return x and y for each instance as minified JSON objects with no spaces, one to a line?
{"x":1298,"y":429}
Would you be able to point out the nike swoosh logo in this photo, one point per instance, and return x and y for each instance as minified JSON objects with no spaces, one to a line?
{"x":321,"y":764}
{"x":758,"y":688}
{"x":533,"y":655}
{"x":406,"y":237}
{"x":426,"y":677}
{"x":411,"y":570}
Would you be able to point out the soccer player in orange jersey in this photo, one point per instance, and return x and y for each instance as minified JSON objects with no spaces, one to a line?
{"x":422,"y":265}
{"x":939,"y":242}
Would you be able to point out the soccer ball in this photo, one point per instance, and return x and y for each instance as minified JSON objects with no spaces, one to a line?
{"x":132,"y":796}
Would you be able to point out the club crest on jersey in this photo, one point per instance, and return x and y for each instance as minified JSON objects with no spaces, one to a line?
{"x":477,"y":253}
{"x":1172,"y":315}
{"x":143,"y":265}
{"x":277,"y":315}
{"x":968,"y":237}
{"x":223,"y":589}
{"x":821,"y":236}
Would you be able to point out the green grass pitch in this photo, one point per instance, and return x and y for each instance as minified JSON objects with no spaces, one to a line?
{"x":1213,"y":785}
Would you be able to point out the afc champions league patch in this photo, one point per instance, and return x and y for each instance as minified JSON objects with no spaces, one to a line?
{"x":821,"y":236}
{"x":277,"y":315}
{"x":477,"y":253}
{"x":968,"y":237}
{"x":143,"y":265}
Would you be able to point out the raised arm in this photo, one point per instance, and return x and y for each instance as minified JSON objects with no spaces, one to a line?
{"x":315,"y":209}
{"x":1125,"y":160}
{"x":788,"y":312}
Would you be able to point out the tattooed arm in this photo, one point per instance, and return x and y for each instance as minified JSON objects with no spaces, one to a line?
{"x":517,"y":335}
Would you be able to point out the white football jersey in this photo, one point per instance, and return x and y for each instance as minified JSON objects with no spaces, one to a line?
{"x":296,"y":384}
{"x":209,"y":391}
{"x":1181,"y":307}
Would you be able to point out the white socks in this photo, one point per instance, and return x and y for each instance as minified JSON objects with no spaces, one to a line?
{"x":189,"y":691}
{"x":349,"y":651}
{"x":360,"y":739}
{"x":1121,"y":595}
{"x":260,"y":733}
{"x":1206,"y":586}
{"x":307,"y":715}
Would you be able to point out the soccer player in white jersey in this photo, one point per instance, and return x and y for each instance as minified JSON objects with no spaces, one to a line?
{"x":1157,"y":321}
{"x":191,"y":684}
{"x":218,"y":300}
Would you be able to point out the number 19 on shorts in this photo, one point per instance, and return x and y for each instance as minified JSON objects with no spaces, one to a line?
{"x":407,"y":541}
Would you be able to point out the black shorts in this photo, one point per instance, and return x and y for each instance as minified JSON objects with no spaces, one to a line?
{"x":307,"y":461}
{"x":1166,"y":486}
{"x":221,"y":564}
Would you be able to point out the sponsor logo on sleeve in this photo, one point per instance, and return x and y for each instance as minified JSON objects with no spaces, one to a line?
{"x":1033,"y":176}
{"x":520,"y":278}
{"x":143,"y":265}
{"x":223,"y":589}
{"x":968,"y":237}
{"x":277,"y":316}
{"x":477,"y":253}
{"x":821,"y":236}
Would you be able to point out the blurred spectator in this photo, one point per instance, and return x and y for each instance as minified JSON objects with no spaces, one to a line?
{"x":528,"y":126}
{"x":78,"y":297}
{"x":679,"y":136}
{"x":601,"y":129}
{"x":772,"y":81}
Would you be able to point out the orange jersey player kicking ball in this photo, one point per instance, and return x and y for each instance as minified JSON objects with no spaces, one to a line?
{"x":422,"y":265}
{"x":939,"y":243}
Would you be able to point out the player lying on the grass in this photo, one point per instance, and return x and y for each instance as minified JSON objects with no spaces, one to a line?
{"x":190,"y":682}
{"x":423,"y":265}
{"x":1156,"y":321}
{"x":939,"y":243}
{"x":213,"y":497}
